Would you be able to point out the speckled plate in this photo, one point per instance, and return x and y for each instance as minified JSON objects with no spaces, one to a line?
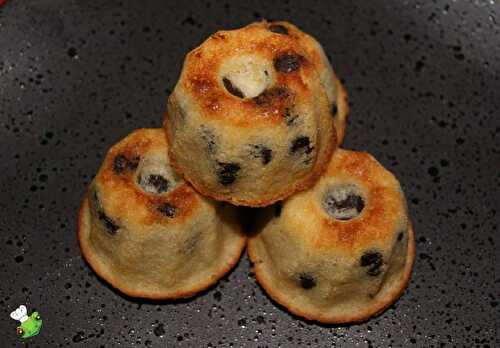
{"x":423,"y":78}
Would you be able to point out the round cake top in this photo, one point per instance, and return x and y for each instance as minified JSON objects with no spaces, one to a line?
{"x":137,"y":184}
{"x":250,"y":75}
{"x":355,"y":204}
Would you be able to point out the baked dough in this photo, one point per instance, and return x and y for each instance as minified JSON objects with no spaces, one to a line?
{"x":341,"y":251}
{"x":249,"y":121}
{"x":145,"y":230}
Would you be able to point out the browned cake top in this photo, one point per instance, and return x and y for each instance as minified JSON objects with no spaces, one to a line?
{"x":121,"y":194}
{"x":356,"y":201}
{"x":284,"y":63}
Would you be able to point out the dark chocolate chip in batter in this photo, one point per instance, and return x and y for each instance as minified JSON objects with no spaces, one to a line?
{"x":400,"y":236}
{"x":133,"y":163}
{"x":167,"y":209}
{"x":279,"y":29}
{"x":232,"y":88}
{"x":307,"y":281}
{"x":110,"y":225}
{"x":334,"y":110}
{"x":290,"y":117}
{"x":122,"y":163}
{"x":288,"y":62}
{"x":271,"y":94}
{"x":301,"y":143}
{"x":373,"y":260}
{"x":208,"y":136}
{"x":262,"y":152}
{"x":227,"y":172}
{"x":158,"y":182}
{"x":267,"y":155}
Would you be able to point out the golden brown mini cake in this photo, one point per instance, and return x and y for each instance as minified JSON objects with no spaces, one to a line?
{"x":336,"y":93}
{"x":249,"y":121}
{"x":341,"y":251}
{"x":145,"y":230}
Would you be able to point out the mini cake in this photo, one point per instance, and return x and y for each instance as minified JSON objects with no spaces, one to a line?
{"x":145,"y":230}
{"x":335,"y":91}
{"x":341,"y":251}
{"x":249,"y":121}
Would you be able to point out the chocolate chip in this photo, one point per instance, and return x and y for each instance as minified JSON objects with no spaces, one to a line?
{"x":289,"y":117}
{"x":122,"y":163}
{"x":373,"y":260}
{"x":301,"y":143}
{"x":266,"y":155}
{"x":159,"y":183}
{"x":191,"y":243}
{"x":227,"y":172}
{"x":110,"y":225}
{"x":334,"y":110}
{"x":209,"y":137}
{"x":270,"y":95}
{"x":232,"y":88}
{"x":277,"y":209}
{"x":343,"y":205}
{"x":263,"y":152}
{"x":133,"y":163}
{"x":307,"y":281}
{"x":167,"y":209}
{"x":288,"y":62}
{"x":400,"y":236}
{"x":279,"y":29}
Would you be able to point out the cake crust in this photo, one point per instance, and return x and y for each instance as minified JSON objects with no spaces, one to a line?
{"x":254,"y":142}
{"x":147,"y":232}
{"x":341,"y":251}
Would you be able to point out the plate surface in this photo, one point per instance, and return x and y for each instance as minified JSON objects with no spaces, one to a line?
{"x":423,"y":79}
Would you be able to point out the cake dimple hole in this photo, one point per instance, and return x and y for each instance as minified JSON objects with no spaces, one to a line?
{"x":231,"y":88}
{"x":246,"y":76}
{"x":343,"y":202}
{"x":154,"y":183}
{"x":155,"y":176}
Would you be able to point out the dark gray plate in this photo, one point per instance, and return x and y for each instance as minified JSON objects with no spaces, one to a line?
{"x":423,"y":79}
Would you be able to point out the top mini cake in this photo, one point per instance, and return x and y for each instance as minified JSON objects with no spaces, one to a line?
{"x":252,"y":118}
